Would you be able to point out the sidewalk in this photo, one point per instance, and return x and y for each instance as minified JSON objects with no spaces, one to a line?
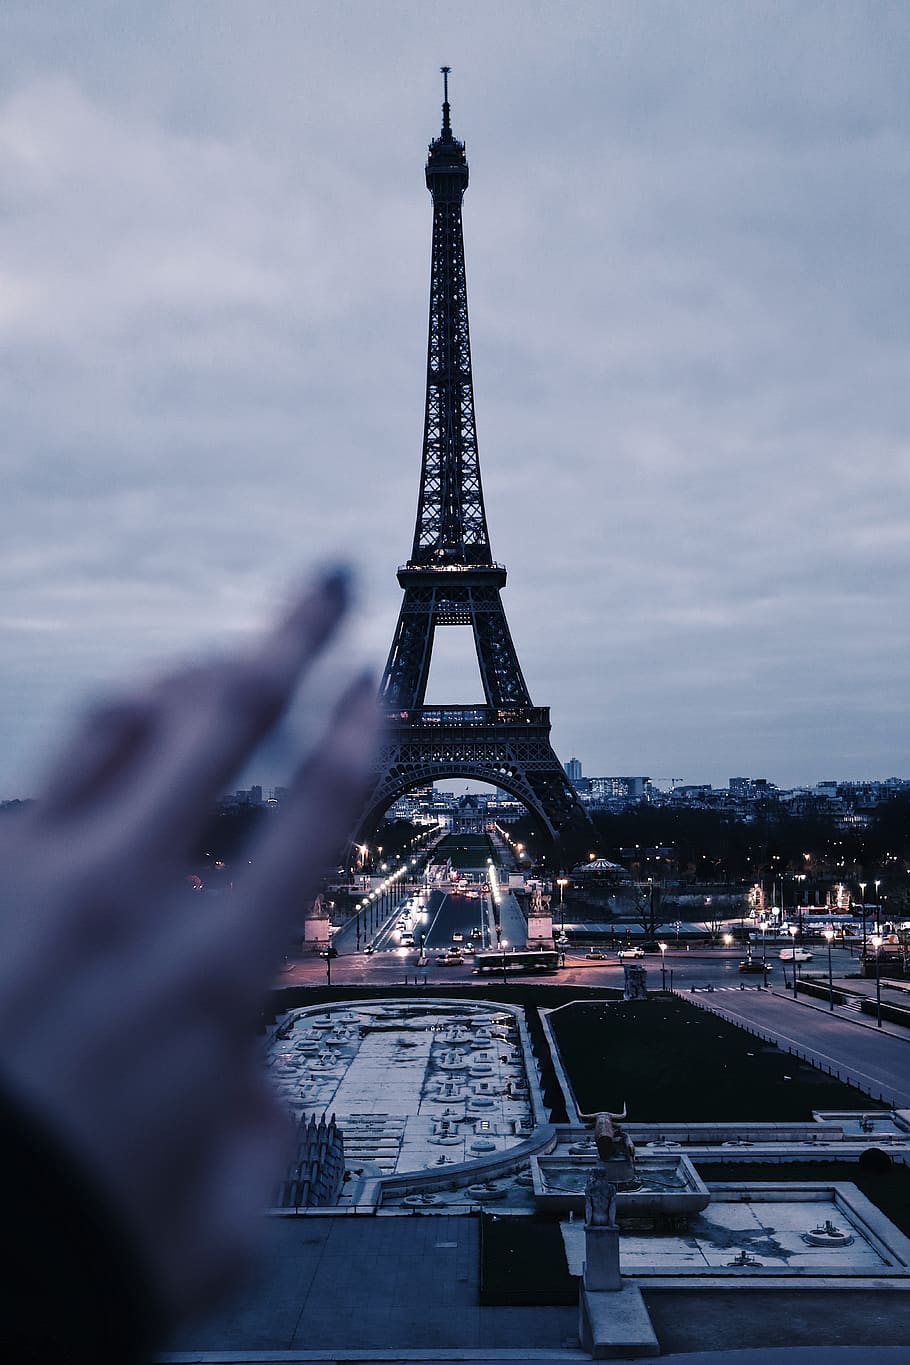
{"x":850,"y":1012}
{"x":512,"y":922}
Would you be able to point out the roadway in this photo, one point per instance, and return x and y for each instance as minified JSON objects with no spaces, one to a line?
{"x":445,"y":919}
{"x":849,"y":1044}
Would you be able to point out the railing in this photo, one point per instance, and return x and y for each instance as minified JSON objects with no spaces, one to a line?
{"x":413,"y":567}
{"x":435,"y":717}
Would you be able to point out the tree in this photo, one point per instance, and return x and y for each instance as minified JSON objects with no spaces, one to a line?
{"x":650,"y":912}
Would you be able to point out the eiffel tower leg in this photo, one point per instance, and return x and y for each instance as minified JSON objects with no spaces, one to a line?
{"x":404,"y":682}
{"x":500,"y":670}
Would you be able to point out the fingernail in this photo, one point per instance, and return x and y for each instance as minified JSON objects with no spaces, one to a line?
{"x":336,"y":582}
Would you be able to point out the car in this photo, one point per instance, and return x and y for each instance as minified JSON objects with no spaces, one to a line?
{"x":650,"y":945}
{"x":595,"y":955}
{"x":476,"y":934}
{"x":458,"y":938}
{"x":754,"y":964}
{"x":632,"y":951}
{"x":407,"y":940}
{"x":454,"y":957}
{"x":794,"y":955}
{"x":442,"y":959}
{"x":329,"y":952}
{"x":370,"y":948}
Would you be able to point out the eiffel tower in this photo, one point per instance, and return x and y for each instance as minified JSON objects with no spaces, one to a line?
{"x":451,"y":578}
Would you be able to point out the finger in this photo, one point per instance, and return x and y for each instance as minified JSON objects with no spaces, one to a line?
{"x":97,"y":755}
{"x":290,"y":859}
{"x":208,"y":720}
{"x":222,"y":1225}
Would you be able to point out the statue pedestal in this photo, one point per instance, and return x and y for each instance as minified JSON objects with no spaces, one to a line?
{"x":602,"y":1258}
{"x":540,"y":929}
{"x":616,"y":1326}
{"x":635,"y":985}
{"x":618,"y":1169}
{"x":316,"y":932}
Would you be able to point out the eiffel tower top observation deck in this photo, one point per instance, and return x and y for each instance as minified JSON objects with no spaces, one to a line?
{"x":451,"y":577}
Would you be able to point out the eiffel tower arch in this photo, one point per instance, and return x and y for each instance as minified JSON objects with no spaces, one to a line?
{"x":451,"y":577}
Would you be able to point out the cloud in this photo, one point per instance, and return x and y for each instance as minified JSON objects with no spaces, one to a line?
{"x":685,"y":237}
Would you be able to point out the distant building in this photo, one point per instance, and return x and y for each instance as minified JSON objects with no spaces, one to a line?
{"x":751,"y":788}
{"x":573,"y":769}
{"x":603,"y":791}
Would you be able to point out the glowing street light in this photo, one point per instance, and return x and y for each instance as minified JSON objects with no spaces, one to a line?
{"x":663,"y":966}
{"x":829,"y":935}
{"x":562,"y":883}
{"x":793,"y":930}
{"x":876,"y":940}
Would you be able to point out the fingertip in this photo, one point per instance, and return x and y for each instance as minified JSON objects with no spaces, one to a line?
{"x":336,"y":581}
{"x":318,"y":606}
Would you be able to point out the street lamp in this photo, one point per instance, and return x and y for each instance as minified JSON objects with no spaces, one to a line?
{"x":862,"y":887}
{"x":876,"y":941}
{"x":829,"y":935}
{"x":663,"y":966}
{"x":763,"y":925}
{"x":878,"y":912}
{"x":793,"y":930}
{"x":562,"y":883}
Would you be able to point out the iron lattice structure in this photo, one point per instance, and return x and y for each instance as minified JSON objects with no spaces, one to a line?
{"x":451,"y":577}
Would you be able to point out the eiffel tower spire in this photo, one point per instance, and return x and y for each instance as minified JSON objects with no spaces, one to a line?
{"x":451,"y":577}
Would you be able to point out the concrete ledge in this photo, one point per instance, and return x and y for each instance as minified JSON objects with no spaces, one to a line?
{"x":615,"y":1326}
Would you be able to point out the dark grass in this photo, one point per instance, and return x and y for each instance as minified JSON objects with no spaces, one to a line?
{"x":738,"y":1319}
{"x":523,"y":1261}
{"x":888,"y":1190}
{"x":671,"y":1062}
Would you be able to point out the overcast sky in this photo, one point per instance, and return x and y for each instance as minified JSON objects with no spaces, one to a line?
{"x":687,"y":232}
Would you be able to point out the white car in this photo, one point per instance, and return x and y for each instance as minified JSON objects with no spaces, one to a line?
{"x":794,"y":955}
{"x":633,"y":951}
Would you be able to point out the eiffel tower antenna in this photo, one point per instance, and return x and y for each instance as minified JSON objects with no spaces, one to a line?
{"x":446,"y":123}
{"x":451,"y":577}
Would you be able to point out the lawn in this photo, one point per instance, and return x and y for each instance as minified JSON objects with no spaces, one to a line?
{"x":523,"y":1261}
{"x":669,"y":1061}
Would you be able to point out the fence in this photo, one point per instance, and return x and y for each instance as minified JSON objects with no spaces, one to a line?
{"x":315,"y":1175}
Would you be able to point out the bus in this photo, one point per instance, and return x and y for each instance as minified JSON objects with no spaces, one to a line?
{"x":520,"y":960}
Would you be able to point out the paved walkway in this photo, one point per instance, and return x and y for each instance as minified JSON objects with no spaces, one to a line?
{"x":512,"y":921}
{"x":404,"y":1285}
{"x":405,"y":1289}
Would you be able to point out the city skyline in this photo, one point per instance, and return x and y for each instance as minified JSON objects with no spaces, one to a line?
{"x":684,"y":241}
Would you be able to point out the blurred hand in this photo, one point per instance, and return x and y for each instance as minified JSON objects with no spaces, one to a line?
{"x":127,"y":1012}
